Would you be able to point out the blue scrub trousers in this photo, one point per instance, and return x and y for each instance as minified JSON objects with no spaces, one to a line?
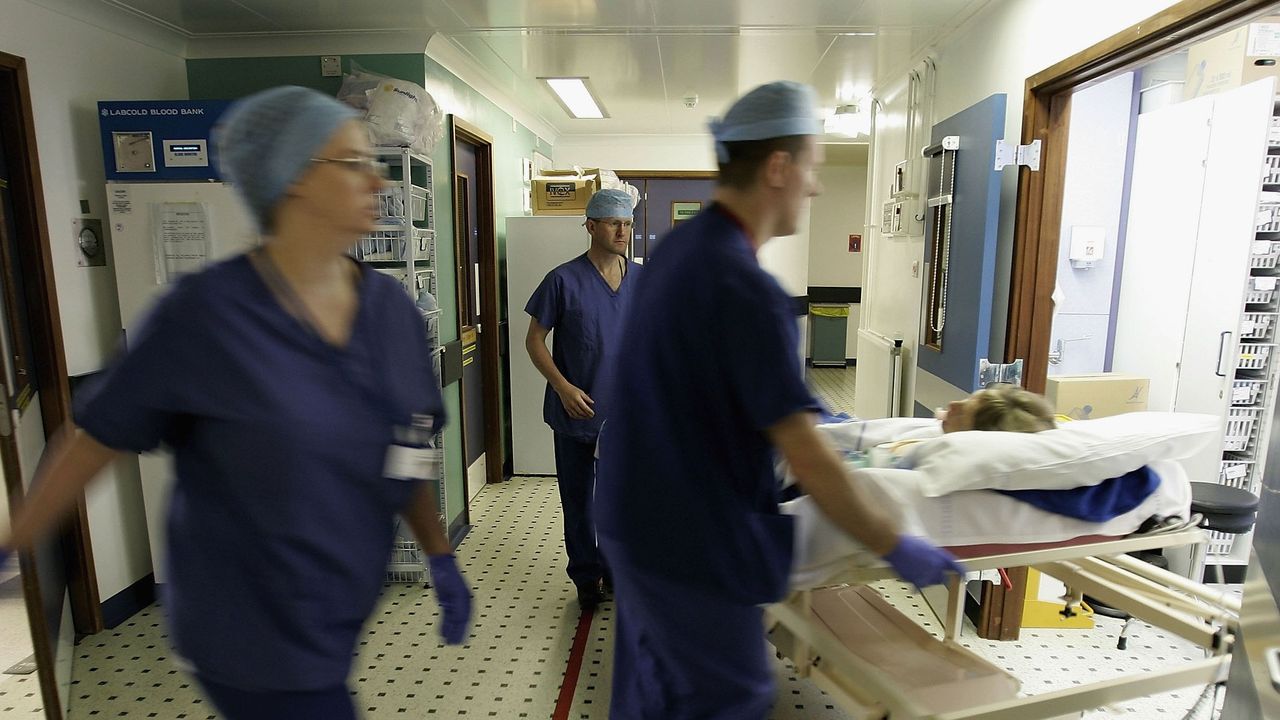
{"x":235,"y":704}
{"x":576,"y":476}
{"x":684,"y":654}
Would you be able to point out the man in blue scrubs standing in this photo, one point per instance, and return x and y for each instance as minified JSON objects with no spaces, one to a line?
{"x":583,"y":300}
{"x":687,"y":501}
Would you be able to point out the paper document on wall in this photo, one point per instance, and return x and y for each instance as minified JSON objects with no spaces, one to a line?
{"x":181,"y":235}
{"x":1264,"y":40}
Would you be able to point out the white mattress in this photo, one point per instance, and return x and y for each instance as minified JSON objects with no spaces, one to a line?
{"x":971,"y":517}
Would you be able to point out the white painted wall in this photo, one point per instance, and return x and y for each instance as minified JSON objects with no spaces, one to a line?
{"x":890,"y":292}
{"x":990,"y":54}
{"x":636,"y":152}
{"x":840,"y":211}
{"x":1092,"y":196}
{"x":71,"y":64}
{"x":787,"y":259}
{"x":993,"y":52}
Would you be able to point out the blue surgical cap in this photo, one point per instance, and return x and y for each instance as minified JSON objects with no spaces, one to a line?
{"x":610,"y":203}
{"x":777,"y":109}
{"x":266,"y":140}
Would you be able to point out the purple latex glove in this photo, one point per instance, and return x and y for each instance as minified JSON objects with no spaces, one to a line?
{"x":920,"y":563}
{"x":453,"y":596}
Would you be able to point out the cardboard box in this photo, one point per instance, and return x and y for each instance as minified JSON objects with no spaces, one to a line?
{"x":1095,"y":395}
{"x":564,"y":192}
{"x":1234,"y":58}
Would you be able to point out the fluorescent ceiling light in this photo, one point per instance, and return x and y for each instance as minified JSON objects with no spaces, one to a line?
{"x":849,"y":121}
{"x":576,"y":97}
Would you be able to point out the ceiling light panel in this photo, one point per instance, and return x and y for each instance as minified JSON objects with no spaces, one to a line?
{"x":576,"y":97}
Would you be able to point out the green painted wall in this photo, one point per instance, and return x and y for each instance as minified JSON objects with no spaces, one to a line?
{"x":229,"y":78}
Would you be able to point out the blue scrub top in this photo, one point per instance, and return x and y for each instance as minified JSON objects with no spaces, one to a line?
{"x":576,"y":302}
{"x":708,"y":361}
{"x":281,"y":520}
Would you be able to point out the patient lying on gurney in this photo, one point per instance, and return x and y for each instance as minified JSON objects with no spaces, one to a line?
{"x":1023,"y":481}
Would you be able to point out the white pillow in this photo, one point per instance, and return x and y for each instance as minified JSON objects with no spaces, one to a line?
{"x":1075,"y":454}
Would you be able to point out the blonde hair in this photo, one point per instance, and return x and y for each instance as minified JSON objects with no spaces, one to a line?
{"x":1011,"y":409}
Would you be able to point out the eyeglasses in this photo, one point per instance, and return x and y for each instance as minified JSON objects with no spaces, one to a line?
{"x":359,"y":164}
{"x":616,"y":224}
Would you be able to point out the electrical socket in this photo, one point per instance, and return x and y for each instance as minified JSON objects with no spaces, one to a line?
{"x":331,"y":66}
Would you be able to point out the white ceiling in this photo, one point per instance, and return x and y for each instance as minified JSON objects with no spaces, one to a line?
{"x":642,"y":56}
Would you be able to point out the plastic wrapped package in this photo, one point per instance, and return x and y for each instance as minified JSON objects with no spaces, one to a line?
{"x":398,"y":112}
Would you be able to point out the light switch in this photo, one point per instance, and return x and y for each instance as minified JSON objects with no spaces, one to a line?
{"x":915,"y":268}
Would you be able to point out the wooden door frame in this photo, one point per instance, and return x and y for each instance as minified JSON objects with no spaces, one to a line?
{"x":1046,"y":117}
{"x":490,"y":348}
{"x":35,"y":262}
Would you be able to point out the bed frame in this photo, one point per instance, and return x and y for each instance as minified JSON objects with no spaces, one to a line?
{"x":1094,"y":565}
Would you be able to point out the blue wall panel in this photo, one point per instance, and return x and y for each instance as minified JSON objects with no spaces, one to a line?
{"x":966,"y":334}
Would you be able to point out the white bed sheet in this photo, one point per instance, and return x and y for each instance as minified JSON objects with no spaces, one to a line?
{"x":970,"y":517}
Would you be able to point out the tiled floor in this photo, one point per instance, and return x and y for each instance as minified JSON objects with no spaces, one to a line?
{"x":514,"y":665}
{"x":15,"y":630}
{"x":834,"y":386}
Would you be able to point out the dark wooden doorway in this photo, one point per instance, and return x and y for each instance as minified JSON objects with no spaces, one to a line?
{"x":476,"y":275}
{"x":35,"y":378}
{"x":1046,"y":117}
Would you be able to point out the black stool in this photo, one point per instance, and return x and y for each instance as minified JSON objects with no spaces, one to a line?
{"x":1224,"y":509}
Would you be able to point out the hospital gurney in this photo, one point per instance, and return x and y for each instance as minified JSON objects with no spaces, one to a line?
{"x":809,"y":625}
{"x":877,"y":663}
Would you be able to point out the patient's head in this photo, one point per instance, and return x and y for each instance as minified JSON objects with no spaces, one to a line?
{"x":999,"y":407}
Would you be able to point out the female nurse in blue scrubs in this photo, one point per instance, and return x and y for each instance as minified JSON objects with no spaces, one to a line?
{"x":290,"y":384}
{"x":686,"y":502}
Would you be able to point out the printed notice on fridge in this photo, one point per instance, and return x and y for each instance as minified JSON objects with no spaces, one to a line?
{"x":181,"y":237}
{"x":1264,"y":40}
{"x":121,"y":204}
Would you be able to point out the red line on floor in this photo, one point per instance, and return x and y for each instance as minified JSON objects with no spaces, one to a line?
{"x":565,"y":701}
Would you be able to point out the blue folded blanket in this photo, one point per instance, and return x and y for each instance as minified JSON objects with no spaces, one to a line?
{"x":1096,"y":503}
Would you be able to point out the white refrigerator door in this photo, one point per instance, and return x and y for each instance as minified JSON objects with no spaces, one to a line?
{"x":131,"y":212}
{"x":535,"y":245}
{"x":132,"y":252}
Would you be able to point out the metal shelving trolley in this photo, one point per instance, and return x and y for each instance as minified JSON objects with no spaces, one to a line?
{"x":1253,"y":384}
{"x":404,"y":247}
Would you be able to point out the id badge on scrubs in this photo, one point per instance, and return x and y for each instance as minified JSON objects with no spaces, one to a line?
{"x":412,"y":456}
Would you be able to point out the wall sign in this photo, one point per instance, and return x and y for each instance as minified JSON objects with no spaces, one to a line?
{"x":681,"y":211}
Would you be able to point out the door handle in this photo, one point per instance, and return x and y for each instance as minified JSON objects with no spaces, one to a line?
{"x":1273,"y":666}
{"x":1222,"y":344}
{"x":8,"y":418}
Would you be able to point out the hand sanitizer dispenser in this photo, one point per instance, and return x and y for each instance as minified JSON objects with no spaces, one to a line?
{"x":1088,"y":243}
